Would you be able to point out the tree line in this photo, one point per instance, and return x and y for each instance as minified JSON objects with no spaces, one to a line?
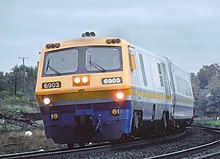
{"x":206,"y":87}
{"x":18,"y":86}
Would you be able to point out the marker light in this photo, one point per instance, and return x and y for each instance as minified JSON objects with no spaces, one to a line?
{"x":119,"y":95}
{"x":77,"y":80}
{"x":54,"y":116}
{"x":117,"y":40}
{"x":48,"y":46}
{"x":85,"y":79}
{"x":52,"y":45}
{"x":115,"y":111}
{"x":57,"y":45}
{"x":46,"y":101}
{"x":108,"y":41}
{"x":113,"y":41}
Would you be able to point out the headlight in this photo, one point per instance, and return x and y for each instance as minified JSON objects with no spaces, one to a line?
{"x":81,"y":80}
{"x":85,"y":79}
{"x":120,"y":95}
{"x":77,"y":80}
{"x":47,"y":100}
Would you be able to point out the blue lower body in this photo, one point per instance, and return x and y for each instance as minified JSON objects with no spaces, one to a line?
{"x":87,"y":122}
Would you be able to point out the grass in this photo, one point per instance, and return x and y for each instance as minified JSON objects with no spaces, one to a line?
{"x":12,"y":132}
{"x":215,"y":123}
{"x":212,"y":123}
{"x":15,"y":142}
{"x":14,"y":120}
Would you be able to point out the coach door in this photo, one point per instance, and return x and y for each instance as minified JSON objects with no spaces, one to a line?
{"x":166,"y":82}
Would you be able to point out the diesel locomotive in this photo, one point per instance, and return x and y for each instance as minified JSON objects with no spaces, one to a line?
{"x":95,"y":89}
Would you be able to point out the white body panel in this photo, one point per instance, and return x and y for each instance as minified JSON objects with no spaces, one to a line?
{"x":167,"y":81}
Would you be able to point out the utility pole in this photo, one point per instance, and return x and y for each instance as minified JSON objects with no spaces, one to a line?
{"x":23,"y":58}
{"x":15,"y":80}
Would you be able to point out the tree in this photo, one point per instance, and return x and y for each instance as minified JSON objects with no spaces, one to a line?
{"x":206,"y":73}
{"x":2,"y":81}
{"x":195,"y":88}
{"x":206,"y":87}
{"x":214,"y":88}
{"x":18,"y":84}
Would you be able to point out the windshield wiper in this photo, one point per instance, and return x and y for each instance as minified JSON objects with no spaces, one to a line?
{"x":97,"y":66}
{"x":52,"y":68}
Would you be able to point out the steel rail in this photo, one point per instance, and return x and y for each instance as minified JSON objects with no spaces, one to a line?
{"x":87,"y":149}
{"x":210,"y":156}
{"x":193,"y":150}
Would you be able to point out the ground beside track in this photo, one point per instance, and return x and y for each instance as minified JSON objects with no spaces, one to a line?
{"x":193,"y":137}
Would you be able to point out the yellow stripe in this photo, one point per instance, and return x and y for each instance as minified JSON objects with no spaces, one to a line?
{"x":111,"y":94}
{"x":85,"y":95}
{"x":102,"y":94}
{"x":148,"y":94}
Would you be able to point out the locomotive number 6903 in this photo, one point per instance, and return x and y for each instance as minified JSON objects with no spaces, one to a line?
{"x":114,"y":80}
{"x":50,"y":85}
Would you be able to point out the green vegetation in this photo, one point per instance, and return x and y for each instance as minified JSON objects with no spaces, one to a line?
{"x":206,"y":88}
{"x":211,"y":123}
{"x":15,"y":142}
{"x":18,"y":118}
{"x":215,"y":123}
{"x":10,"y":128}
{"x":18,"y":113}
{"x":17,"y":109}
{"x":18,"y":86}
{"x":40,"y":123}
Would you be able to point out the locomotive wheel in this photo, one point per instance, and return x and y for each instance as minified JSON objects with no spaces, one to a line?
{"x":82,"y":144}
{"x":70,"y":146}
{"x":136,"y":122}
{"x":164,"y":124}
{"x":114,"y":142}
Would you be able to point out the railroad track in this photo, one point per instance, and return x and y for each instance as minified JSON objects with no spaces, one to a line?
{"x":65,"y":153}
{"x":106,"y":148}
{"x":195,"y":150}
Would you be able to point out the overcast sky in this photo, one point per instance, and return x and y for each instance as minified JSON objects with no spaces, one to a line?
{"x":186,"y":31}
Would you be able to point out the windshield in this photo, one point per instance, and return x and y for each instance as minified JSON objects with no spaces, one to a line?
{"x":102,"y":59}
{"x":62,"y":62}
{"x":80,"y":60}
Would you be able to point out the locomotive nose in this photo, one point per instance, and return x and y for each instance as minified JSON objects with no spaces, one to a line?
{"x":84,"y":122}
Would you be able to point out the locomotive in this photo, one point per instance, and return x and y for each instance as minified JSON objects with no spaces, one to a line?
{"x":95,"y":89}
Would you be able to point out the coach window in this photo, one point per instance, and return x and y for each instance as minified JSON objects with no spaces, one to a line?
{"x":183,"y":86}
{"x":160,"y":75}
{"x":143,"y":69}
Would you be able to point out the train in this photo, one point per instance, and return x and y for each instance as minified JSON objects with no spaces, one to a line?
{"x":96,"y":89}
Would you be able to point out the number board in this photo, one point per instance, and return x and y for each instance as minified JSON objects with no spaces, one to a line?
{"x":113,"y":80}
{"x":51,"y":85}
